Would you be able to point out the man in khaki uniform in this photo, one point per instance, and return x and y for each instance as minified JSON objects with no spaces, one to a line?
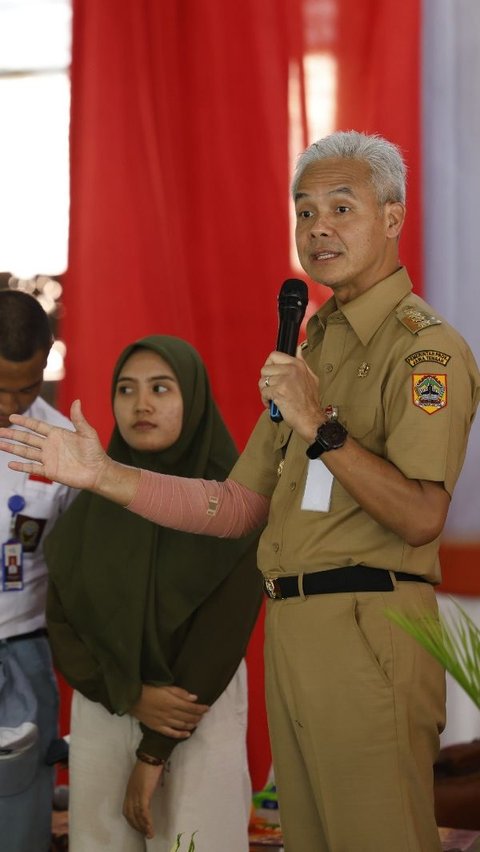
{"x":355,"y":706}
{"x":356,"y":482}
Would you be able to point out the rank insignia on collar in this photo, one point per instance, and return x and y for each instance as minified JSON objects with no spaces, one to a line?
{"x":363,"y":370}
{"x":429,"y":391}
{"x":428,"y":355}
{"x":415,"y":319}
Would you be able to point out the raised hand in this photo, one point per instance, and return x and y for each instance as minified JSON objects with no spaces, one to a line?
{"x":74,"y":458}
{"x":170,"y":710}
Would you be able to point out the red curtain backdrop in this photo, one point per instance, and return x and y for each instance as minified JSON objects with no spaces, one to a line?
{"x":379,"y":91}
{"x":179,"y":203}
{"x":179,"y":187}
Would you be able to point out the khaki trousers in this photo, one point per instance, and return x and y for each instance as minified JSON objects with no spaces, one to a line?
{"x":355,"y":709}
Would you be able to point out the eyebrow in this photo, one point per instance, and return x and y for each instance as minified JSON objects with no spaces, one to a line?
{"x":149,"y":378}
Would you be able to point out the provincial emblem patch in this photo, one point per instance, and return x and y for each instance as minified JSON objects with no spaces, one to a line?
{"x":429,"y":391}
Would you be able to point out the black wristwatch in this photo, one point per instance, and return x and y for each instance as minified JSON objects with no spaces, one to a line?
{"x":331,"y":435}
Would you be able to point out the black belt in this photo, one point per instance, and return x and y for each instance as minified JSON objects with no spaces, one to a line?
{"x":34,"y":634}
{"x":351,"y":578}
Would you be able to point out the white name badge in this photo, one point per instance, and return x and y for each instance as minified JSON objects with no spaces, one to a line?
{"x":318,"y":487}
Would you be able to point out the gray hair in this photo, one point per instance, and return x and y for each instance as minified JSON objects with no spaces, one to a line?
{"x":387,"y":167}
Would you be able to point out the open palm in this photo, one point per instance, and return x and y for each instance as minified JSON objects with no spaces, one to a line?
{"x":74,"y":458}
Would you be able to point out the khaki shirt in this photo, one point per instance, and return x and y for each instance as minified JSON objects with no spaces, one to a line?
{"x":406,"y":386}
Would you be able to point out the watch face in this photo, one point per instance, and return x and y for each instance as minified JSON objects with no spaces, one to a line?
{"x":332,"y":435}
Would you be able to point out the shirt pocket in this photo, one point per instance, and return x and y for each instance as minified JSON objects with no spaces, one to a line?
{"x":363,"y":422}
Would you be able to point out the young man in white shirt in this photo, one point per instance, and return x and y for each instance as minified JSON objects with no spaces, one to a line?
{"x":29,"y":506}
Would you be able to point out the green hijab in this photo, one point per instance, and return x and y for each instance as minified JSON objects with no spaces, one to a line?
{"x":126,"y":588}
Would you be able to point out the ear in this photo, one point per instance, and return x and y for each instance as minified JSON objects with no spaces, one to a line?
{"x":394,"y":218}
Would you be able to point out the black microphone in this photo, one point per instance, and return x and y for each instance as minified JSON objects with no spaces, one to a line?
{"x":292,"y":303}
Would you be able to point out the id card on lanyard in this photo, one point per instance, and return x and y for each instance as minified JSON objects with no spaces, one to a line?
{"x":12,"y":550}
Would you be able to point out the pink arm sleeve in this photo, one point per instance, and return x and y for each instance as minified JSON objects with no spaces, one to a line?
{"x":223,"y":509}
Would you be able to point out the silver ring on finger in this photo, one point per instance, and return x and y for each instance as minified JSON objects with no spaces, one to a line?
{"x":267,"y":382}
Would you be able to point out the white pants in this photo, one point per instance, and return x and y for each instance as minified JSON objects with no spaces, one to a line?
{"x":205,"y":786}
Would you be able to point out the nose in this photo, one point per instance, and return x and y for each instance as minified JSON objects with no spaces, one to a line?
{"x":321,"y":226}
{"x":143,"y":400}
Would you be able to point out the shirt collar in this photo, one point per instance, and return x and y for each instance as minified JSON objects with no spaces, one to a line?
{"x":366,"y":313}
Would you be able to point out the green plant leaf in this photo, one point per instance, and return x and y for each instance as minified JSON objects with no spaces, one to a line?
{"x":191,"y":848}
{"x":454,"y":642}
{"x":176,"y":845}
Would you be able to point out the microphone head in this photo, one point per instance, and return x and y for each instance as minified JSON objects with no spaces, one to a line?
{"x":293,"y":294}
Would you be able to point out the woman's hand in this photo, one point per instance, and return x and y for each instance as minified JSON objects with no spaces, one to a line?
{"x":170,"y":710}
{"x":141,"y":786}
{"x":74,"y":458}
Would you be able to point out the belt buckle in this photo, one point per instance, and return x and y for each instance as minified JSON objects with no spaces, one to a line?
{"x":272,"y":588}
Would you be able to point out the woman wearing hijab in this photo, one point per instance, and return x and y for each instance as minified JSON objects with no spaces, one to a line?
{"x":152,"y":647}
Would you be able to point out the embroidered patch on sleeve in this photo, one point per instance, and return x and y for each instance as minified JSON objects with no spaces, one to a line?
{"x":428,"y":355}
{"x":429,"y":391}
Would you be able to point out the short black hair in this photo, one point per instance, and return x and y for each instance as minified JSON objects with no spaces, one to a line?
{"x":24,"y":326}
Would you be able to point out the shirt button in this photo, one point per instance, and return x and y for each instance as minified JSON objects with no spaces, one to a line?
{"x":328,"y":368}
{"x":292,"y":486}
{"x":276,"y":546}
